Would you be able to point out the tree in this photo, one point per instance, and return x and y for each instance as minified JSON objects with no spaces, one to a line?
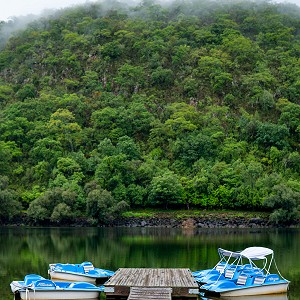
{"x":165,"y":189}
{"x":8,"y":152}
{"x":289,"y":115}
{"x":47,"y":149}
{"x":213,"y":74}
{"x":243,"y":51}
{"x":61,"y":213}
{"x":136,"y":120}
{"x":105,"y":123}
{"x":53,"y":205}
{"x":162,"y":78}
{"x":127,"y":146}
{"x":270,"y":134}
{"x":62,"y":124}
{"x":112,"y":50}
{"x":9,"y":206}
{"x":285,"y":204}
{"x":103,"y":207}
{"x":27,"y":91}
{"x":130,"y":78}
{"x":6,"y":93}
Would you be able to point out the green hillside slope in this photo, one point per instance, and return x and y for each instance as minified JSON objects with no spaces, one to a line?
{"x":185,"y":105}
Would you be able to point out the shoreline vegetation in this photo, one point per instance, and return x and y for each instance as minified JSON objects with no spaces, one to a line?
{"x":187,"y":219}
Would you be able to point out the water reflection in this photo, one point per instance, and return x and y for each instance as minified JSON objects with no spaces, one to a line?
{"x":30,"y":250}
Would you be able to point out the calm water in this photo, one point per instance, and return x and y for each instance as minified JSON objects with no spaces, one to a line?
{"x":30,"y":250}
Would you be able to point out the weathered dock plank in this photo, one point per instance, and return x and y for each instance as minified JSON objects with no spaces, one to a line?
{"x":180,"y":281}
{"x":141,"y":293}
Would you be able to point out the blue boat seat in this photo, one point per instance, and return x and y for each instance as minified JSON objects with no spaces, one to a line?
{"x":81,"y":285}
{"x":66,"y":267}
{"x":30,"y":278}
{"x":253,"y":271}
{"x":45,"y":284}
{"x":246,"y":267}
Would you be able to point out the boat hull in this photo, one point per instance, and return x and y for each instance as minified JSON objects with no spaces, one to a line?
{"x":72,"y":277}
{"x":58,"y":295}
{"x":266,"y":289}
{"x":259,"y":297}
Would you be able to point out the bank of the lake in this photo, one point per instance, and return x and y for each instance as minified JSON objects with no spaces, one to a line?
{"x":194,"y":219}
{"x":173,"y":219}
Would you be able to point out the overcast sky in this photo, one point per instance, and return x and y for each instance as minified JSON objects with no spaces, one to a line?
{"x":15,"y":8}
{"x":12,"y":8}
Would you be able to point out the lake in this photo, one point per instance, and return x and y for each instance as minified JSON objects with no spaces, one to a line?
{"x":29,"y":250}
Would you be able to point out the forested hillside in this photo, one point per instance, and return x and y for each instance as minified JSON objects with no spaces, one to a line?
{"x":190,"y":104}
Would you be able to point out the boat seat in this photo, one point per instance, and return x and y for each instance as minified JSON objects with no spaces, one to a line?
{"x":259,"y":279}
{"x":220,"y":268}
{"x":246,"y":267}
{"x":81,"y":285}
{"x":231,"y":273}
{"x":67,"y":268}
{"x":31,"y":278}
{"x":253,"y":271}
{"x":244,"y":279}
{"x":45,"y":284}
{"x":88,"y":268}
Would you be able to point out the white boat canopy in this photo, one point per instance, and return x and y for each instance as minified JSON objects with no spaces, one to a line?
{"x":256,"y":252}
{"x":253,"y":253}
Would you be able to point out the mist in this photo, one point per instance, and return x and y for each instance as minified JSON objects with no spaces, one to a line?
{"x":20,"y":8}
{"x":32,"y":12}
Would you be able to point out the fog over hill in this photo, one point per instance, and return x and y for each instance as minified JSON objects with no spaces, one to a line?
{"x":17,"y":8}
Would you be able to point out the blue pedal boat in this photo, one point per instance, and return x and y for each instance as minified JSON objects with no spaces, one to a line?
{"x":39,"y":288}
{"x":250,"y":280}
{"x":78,"y":272}
{"x":228,"y":261}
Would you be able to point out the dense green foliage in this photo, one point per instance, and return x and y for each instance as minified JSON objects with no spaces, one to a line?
{"x":191,"y":104}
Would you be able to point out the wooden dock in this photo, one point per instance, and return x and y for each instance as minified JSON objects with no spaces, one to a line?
{"x":138,"y":293}
{"x":142,"y":283}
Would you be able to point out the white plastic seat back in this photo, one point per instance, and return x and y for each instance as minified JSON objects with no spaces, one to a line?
{"x":229,"y":274}
{"x":242,"y":280}
{"x":259,"y":280}
{"x":220,"y":268}
{"x":88,"y":268}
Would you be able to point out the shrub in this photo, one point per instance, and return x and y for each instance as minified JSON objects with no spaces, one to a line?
{"x":36,"y":212}
{"x":284,"y":202}
{"x":61,"y":213}
{"x":102,"y":206}
{"x":9,"y":206}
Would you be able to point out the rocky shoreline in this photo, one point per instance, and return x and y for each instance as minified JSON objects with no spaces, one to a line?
{"x":195,"y":222}
{"x":209,"y":221}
